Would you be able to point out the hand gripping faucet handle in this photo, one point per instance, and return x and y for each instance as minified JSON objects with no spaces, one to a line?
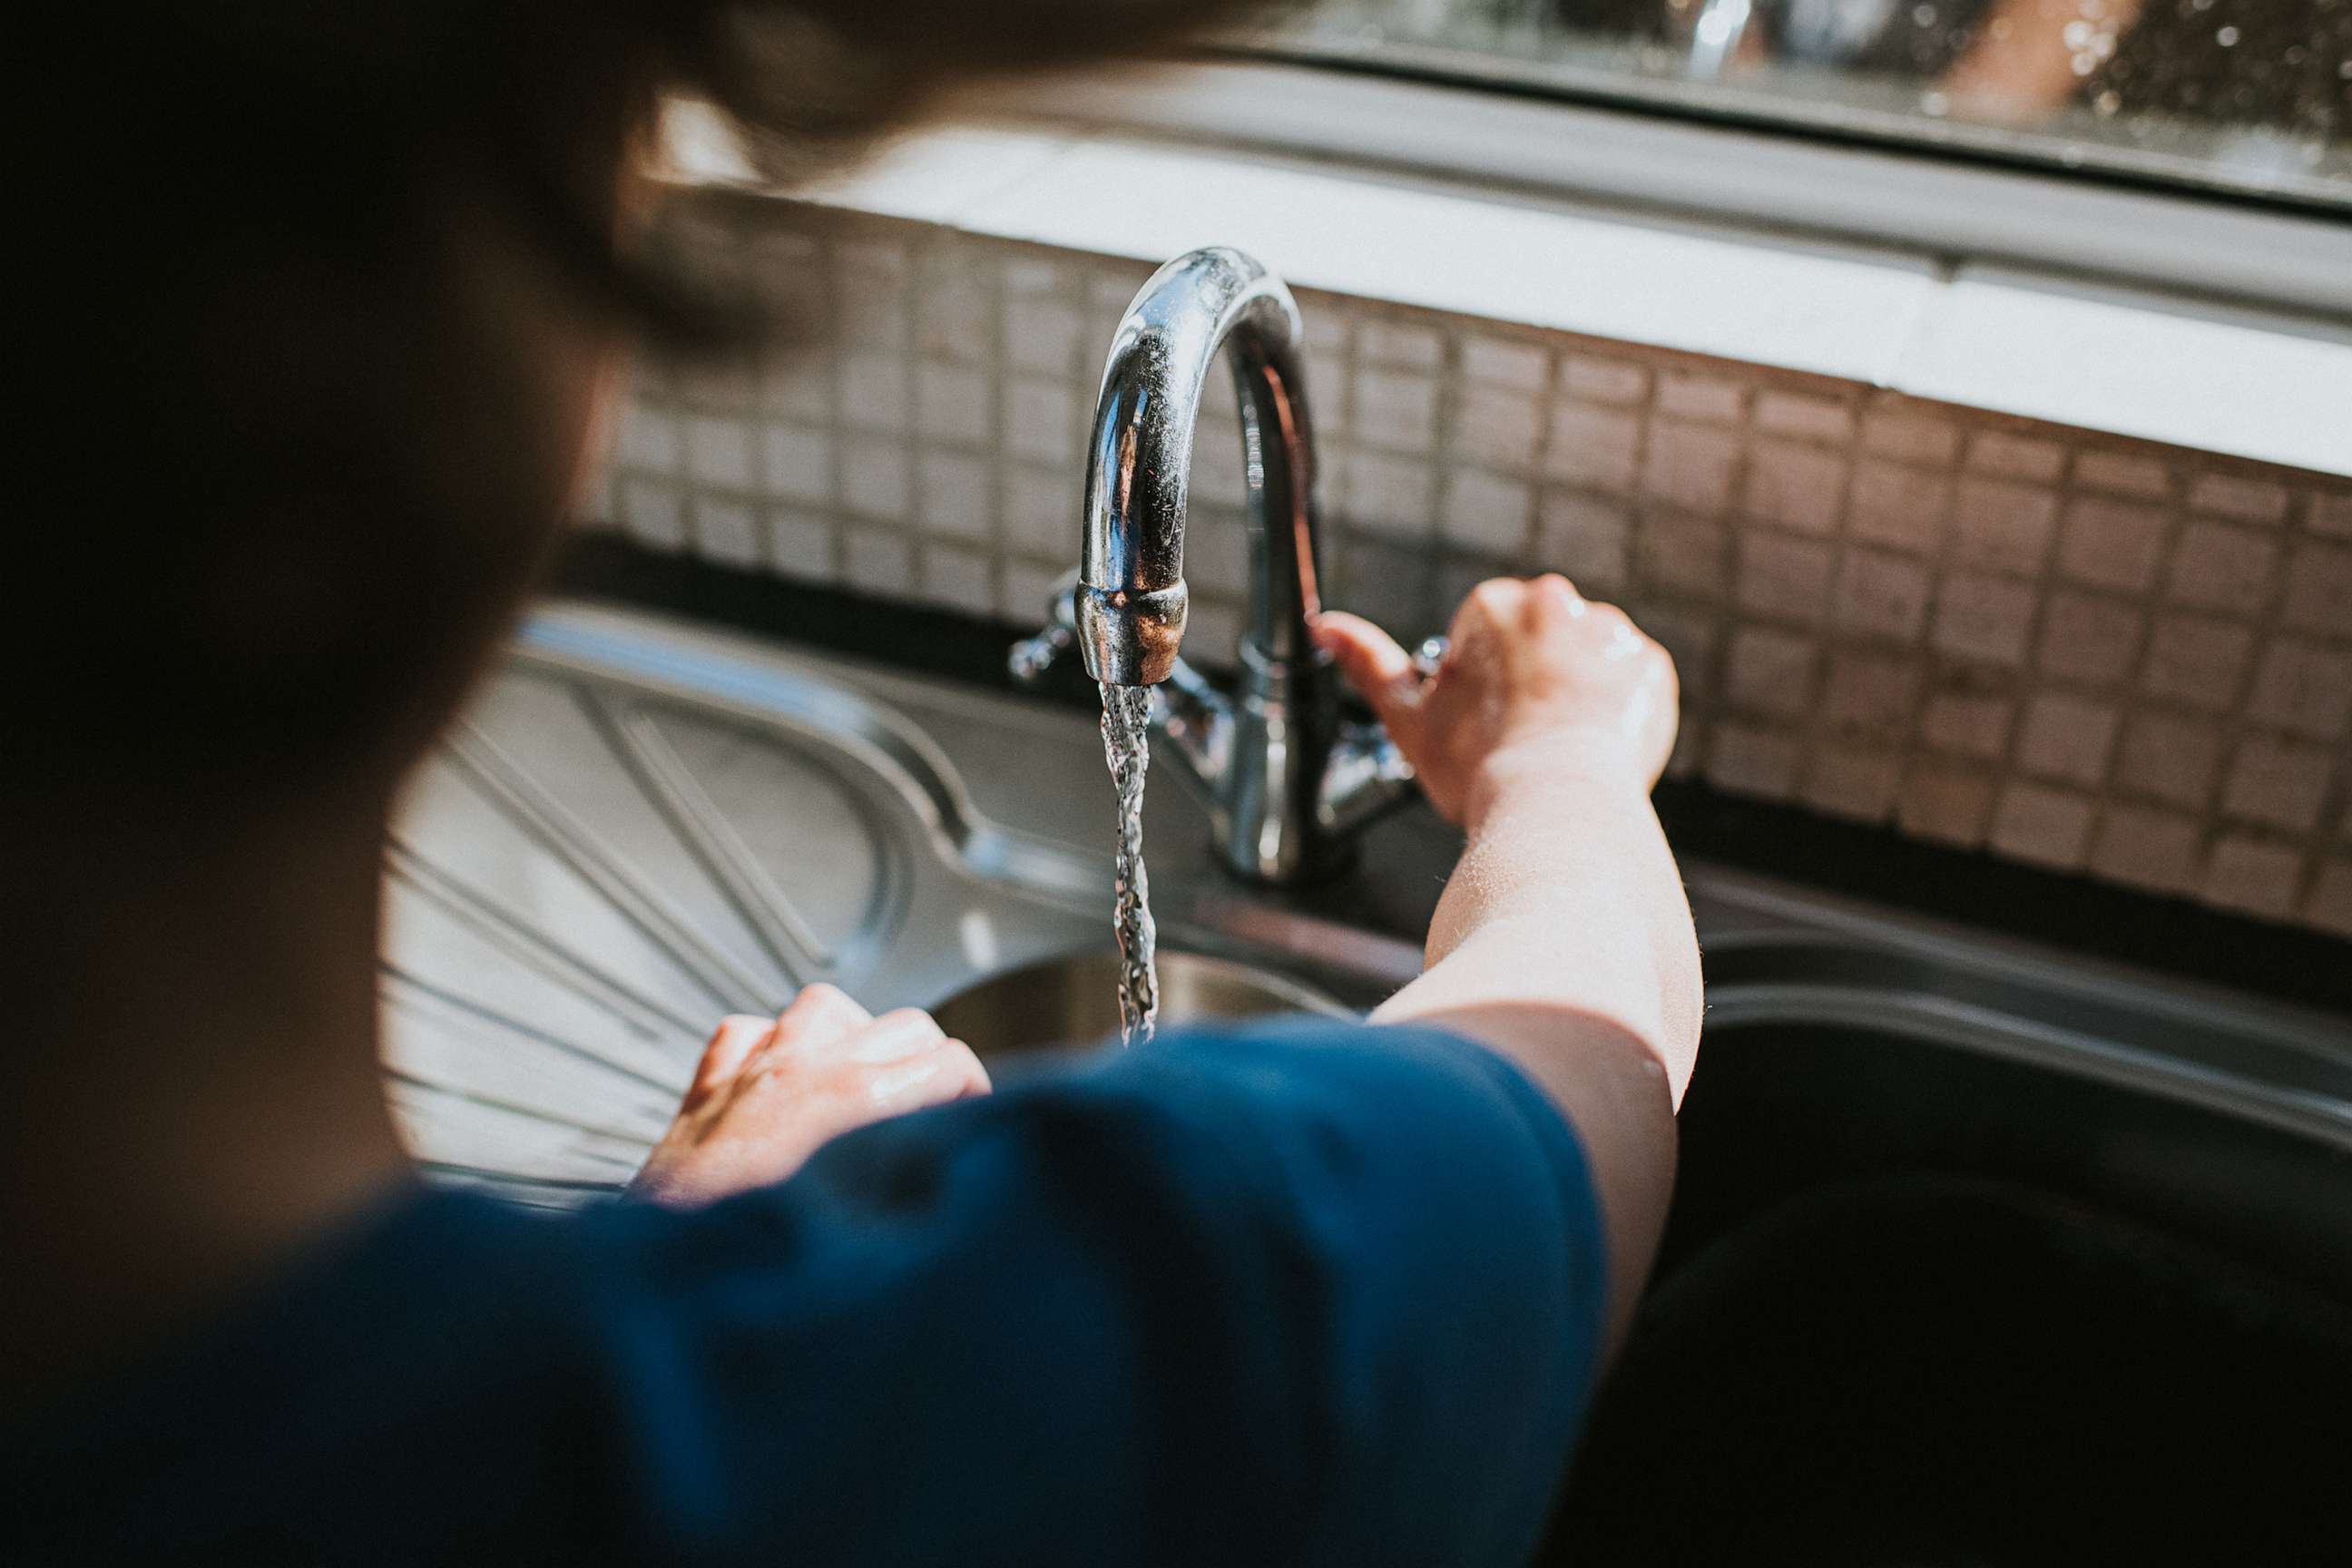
{"x":1032,"y":656}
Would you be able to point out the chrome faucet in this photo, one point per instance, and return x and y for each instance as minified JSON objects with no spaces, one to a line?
{"x":1287,"y":781}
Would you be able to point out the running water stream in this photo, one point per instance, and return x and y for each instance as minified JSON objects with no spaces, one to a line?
{"x":1127,"y":745}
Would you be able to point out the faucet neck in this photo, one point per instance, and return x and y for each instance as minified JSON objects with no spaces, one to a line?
{"x":1132,"y":599}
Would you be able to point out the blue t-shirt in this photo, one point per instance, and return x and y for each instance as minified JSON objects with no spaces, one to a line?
{"x":1299,"y":1293}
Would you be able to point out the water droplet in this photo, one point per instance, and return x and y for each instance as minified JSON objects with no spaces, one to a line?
{"x":2227,"y":38}
{"x":1935,"y":104}
{"x":1924,"y":15}
{"x":2107,"y":102}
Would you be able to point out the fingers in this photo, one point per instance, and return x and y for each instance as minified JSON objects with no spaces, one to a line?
{"x":736,"y":1037}
{"x":819,"y":1017}
{"x":1372,"y":661}
{"x":947,"y":1072}
{"x":893,"y":1035}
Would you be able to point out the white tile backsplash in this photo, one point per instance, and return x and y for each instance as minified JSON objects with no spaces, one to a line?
{"x":2083,"y":652}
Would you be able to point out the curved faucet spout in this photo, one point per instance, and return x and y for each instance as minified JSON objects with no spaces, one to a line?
{"x":1131,"y":594}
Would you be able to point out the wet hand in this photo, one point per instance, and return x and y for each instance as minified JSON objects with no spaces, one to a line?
{"x":1536,"y":678}
{"x":769,"y":1092}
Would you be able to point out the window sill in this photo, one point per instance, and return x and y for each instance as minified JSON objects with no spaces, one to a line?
{"x":2264,"y":381}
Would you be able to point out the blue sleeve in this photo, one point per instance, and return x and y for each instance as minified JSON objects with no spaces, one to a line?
{"x":1299,"y":1293}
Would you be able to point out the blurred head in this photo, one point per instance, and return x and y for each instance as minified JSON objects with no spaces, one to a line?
{"x":320,"y":297}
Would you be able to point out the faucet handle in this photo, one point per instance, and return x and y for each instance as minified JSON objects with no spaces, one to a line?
{"x":1366,"y":778}
{"x":1031,"y":657}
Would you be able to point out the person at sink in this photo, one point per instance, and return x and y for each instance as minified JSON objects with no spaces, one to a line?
{"x":1294,"y":1292}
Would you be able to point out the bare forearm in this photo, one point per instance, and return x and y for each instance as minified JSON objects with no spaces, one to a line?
{"x":1563,"y":942}
{"x":1567,"y":897}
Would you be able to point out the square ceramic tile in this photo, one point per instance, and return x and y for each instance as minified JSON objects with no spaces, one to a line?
{"x":1804,"y":417}
{"x":2319,"y":590}
{"x":1882,"y":595}
{"x":1393,"y":409}
{"x":2028,"y":457}
{"x":725,"y":531}
{"x":2143,"y":848}
{"x":647,"y":440}
{"x":1043,"y":513}
{"x":2123,"y":474}
{"x":1771,"y":671}
{"x":877,"y":561}
{"x":1706,"y":398}
{"x":956,"y":495}
{"x":1217,"y":551}
{"x":1592,"y":447}
{"x":1585,"y":538}
{"x":1690,"y":466}
{"x":798,"y":384}
{"x":1024,"y":589}
{"x":875,"y":477}
{"x":2196,"y":660}
{"x":1389,"y":583}
{"x":1909,"y":437}
{"x":1682,"y":553}
{"x":2170,"y":758}
{"x":1689,"y":634}
{"x":718,"y":452}
{"x":1505,"y":362}
{"x":955,"y":320}
{"x":2042,"y":826}
{"x":1903,"y":508}
{"x":1968,"y":724}
{"x":2088,"y":638}
{"x":2252,"y":875}
{"x":2067,"y":739}
{"x":1798,"y":487}
{"x":1041,"y":421}
{"x":801,"y":544}
{"x":1869,"y":694}
{"x":2305,"y":687}
{"x":1983,"y":617}
{"x":1853,"y":783}
{"x":2003,"y":526}
{"x":652,"y":511}
{"x":2278,"y":783}
{"x":954,"y":404}
{"x":875,"y":392}
{"x":2109,"y":544}
{"x":1398,"y":343}
{"x":1948,"y":805}
{"x":1748,"y":760}
{"x":797,"y":464}
{"x":2233,"y":495}
{"x":1783,"y":577}
{"x":1043,"y":334}
{"x":2330,"y":905}
{"x":2222,"y":567}
{"x":1588,"y":378}
{"x":1486,"y":511}
{"x":958,"y":577}
{"x":1389,"y":495}
{"x":2330,"y":516}
{"x":1496,"y":429}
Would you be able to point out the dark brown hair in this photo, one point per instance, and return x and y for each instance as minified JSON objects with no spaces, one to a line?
{"x":315,"y":291}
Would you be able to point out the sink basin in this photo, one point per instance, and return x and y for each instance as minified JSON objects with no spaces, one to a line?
{"x":1074,"y":1000}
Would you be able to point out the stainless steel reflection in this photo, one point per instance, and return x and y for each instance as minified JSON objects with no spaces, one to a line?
{"x":647,"y":825}
{"x":1289,"y":783}
{"x":1074,"y":1000}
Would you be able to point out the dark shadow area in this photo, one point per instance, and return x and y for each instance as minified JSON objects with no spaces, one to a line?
{"x":1922,"y":1307}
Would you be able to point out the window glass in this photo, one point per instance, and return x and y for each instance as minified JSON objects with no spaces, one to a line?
{"x":2243,"y":96}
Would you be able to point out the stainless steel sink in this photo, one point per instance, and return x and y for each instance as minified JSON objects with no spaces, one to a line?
{"x":1074,"y":1000}
{"x":643,"y":824}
